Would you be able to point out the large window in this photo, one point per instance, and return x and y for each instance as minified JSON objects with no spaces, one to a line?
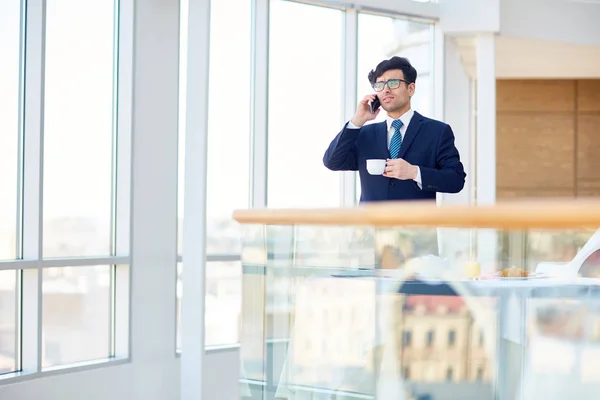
{"x":228,"y":162}
{"x":10,"y":39}
{"x":10,"y":71}
{"x":305,"y":103}
{"x":78,"y":178}
{"x":62,"y":285}
{"x":382,"y":37}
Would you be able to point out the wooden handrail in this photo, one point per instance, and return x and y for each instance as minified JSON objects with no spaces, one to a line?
{"x":540,"y":214}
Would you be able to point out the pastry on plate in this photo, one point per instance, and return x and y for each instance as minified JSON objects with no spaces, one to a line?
{"x":513,"y":272}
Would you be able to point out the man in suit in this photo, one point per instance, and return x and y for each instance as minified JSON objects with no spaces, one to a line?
{"x":420,"y":152}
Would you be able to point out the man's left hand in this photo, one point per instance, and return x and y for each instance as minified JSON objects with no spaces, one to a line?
{"x":400,"y":169}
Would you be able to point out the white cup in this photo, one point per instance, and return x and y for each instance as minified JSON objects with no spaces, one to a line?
{"x":376,"y":167}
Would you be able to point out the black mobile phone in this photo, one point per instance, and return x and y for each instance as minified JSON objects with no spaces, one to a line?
{"x":375,"y":104}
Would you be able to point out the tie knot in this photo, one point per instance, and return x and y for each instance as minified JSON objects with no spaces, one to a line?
{"x":397,"y":124}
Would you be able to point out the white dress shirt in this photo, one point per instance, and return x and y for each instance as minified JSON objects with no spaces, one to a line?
{"x":405,"y":118}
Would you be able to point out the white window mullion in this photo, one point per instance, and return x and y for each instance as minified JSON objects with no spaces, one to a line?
{"x":349,"y":100}
{"x":123,"y":127}
{"x":32,"y":185}
{"x":260,"y":103}
{"x":122,"y":153}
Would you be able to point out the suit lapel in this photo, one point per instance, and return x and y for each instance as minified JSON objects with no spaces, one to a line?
{"x":413,"y":129}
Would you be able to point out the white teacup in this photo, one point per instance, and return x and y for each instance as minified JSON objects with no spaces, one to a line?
{"x":376,"y":167}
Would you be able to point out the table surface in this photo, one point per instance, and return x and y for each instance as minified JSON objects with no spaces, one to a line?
{"x":547,"y":287}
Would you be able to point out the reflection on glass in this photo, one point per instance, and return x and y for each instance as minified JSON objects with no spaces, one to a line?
{"x":317,"y":323}
{"x":305,"y":103}
{"x":380,"y":38}
{"x":8,"y":309}
{"x":10,"y":40}
{"x":228,"y":185}
{"x":222,"y":303}
{"x":563,"y":345}
{"x":78,"y":127}
{"x":561,"y":247}
{"x":76,"y":314}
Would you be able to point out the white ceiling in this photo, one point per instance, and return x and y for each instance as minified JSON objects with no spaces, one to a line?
{"x":529,"y":58}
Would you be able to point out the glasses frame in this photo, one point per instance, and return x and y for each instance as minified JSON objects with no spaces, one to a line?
{"x":388,"y":82}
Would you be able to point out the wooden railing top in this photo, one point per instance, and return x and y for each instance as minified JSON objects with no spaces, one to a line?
{"x":546,"y":214}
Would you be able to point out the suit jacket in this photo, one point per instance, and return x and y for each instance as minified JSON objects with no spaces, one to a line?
{"x":427,"y":143}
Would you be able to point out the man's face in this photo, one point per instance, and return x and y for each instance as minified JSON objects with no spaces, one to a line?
{"x":397,"y":98}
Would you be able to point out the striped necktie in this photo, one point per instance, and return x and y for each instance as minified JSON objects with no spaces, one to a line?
{"x":396,"y":141}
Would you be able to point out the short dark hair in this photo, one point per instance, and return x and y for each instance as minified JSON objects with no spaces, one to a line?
{"x":401,"y":63}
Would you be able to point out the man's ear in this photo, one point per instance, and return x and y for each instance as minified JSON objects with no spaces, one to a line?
{"x":411,"y":89}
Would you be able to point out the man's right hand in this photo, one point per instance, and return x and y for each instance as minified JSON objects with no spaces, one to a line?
{"x":363,"y":111}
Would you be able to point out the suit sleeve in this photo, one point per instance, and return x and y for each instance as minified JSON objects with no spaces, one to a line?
{"x":449,"y":174}
{"x":342,"y":154}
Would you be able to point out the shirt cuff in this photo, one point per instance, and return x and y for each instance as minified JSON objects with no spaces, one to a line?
{"x":351,"y":125}
{"x":418,"y":178}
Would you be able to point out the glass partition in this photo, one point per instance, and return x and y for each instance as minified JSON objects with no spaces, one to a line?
{"x":381,"y":313}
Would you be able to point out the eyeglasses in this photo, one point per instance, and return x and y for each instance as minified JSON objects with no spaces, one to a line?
{"x":392,"y":84}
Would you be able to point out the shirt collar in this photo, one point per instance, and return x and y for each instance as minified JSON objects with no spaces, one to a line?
{"x":405,"y":118}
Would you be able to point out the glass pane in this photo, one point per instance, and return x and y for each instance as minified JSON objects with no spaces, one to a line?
{"x":305,"y":103}
{"x":228,"y":143}
{"x":10,"y":39}
{"x":76,"y":314}
{"x":223,"y":302}
{"x":78,"y":127}
{"x":417,"y":326}
{"x":380,"y":38}
{"x":8,"y":309}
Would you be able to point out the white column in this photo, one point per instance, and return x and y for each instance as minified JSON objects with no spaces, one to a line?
{"x":485,"y":51}
{"x":194,"y":223}
{"x":455,"y":90}
{"x":154,"y":192}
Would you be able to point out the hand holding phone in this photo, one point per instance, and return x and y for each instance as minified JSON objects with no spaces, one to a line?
{"x":367,"y":110}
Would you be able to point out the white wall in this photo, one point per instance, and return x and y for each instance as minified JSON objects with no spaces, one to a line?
{"x":569,"y":21}
{"x":128,"y":382}
{"x":458,"y":106}
{"x":466,"y":16}
{"x":541,"y":59}
{"x":222,"y":374}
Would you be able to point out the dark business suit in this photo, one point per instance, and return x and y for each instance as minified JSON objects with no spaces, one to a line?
{"x":427,"y":143}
